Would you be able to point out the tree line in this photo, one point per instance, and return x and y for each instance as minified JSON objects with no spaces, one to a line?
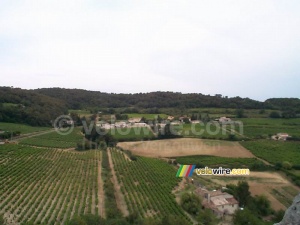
{"x":40,"y":107}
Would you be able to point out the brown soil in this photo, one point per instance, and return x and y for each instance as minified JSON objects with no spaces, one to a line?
{"x":186,"y":146}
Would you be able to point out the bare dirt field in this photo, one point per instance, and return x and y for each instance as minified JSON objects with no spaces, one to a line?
{"x":186,"y":146}
{"x":264,"y":183}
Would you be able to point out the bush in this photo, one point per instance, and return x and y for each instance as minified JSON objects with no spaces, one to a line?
{"x":287,"y":165}
{"x":190,"y":203}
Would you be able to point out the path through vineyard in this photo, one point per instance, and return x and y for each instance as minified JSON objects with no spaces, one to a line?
{"x":118,"y":194}
{"x":101,"y":206}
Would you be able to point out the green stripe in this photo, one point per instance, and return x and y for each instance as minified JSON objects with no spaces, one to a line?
{"x":179,"y":171}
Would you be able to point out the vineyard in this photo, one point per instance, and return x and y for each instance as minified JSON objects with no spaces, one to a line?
{"x":55,"y":140}
{"x":47,"y":185}
{"x":24,"y":129}
{"x":275,"y":151}
{"x":263,"y":128}
{"x":146,"y":185}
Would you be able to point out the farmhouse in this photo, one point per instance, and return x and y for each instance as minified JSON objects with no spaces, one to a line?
{"x":224,"y":120}
{"x":221,"y":203}
{"x":170,"y":118}
{"x":280,"y":136}
{"x":134,"y":120}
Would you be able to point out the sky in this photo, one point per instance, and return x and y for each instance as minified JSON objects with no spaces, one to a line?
{"x":229,"y":47}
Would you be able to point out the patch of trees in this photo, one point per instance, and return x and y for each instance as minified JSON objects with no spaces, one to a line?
{"x":29,"y":107}
{"x":191,"y":203}
{"x":168,"y":131}
{"x":254,"y":208}
{"x":95,"y":138}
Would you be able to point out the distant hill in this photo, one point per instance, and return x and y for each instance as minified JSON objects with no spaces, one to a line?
{"x":78,"y":98}
{"x":38,"y":107}
{"x":29,"y":107}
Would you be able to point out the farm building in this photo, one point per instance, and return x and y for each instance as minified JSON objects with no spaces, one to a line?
{"x":134,"y":120}
{"x":221,"y":203}
{"x":170,"y":118}
{"x":280,"y":136}
{"x":224,"y":120}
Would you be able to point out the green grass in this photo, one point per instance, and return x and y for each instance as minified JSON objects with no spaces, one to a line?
{"x":275,"y":151}
{"x":147,"y":116}
{"x":80,"y":112}
{"x":24,"y":129}
{"x":10,"y":104}
{"x":211,"y":131}
{"x":55,"y":140}
{"x":132,"y":134}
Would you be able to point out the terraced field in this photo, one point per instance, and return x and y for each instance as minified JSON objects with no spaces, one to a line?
{"x":47,"y":185}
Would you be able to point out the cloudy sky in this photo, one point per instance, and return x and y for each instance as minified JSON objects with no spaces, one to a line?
{"x":234,"y":48}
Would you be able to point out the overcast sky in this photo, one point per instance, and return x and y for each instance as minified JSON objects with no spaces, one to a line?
{"x":234,"y":48}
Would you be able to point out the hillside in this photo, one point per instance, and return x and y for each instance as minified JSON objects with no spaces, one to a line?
{"x":40,"y":106}
{"x":77,"y":98}
{"x":29,"y":107}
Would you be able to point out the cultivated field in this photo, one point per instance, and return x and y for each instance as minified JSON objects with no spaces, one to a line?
{"x":186,"y":146}
{"x":24,"y":129}
{"x":147,"y":186}
{"x":275,"y":151}
{"x":48,"y":185}
{"x":55,"y":140}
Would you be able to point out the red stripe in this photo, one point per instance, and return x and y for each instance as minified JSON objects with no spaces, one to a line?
{"x":189,"y":170}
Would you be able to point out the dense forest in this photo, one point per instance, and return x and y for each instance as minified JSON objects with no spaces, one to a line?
{"x":29,"y":107}
{"x":78,"y":99}
{"x":40,"y":106}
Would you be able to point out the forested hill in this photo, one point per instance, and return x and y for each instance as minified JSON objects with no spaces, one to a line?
{"x":29,"y":107}
{"x":41,"y":106}
{"x":77,"y":99}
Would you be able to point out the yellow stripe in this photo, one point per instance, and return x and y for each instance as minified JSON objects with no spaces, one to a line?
{"x":183,"y":170}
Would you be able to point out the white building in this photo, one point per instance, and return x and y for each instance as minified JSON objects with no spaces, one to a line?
{"x":221,"y":203}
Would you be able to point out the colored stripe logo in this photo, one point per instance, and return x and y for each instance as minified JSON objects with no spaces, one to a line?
{"x":185,"y":170}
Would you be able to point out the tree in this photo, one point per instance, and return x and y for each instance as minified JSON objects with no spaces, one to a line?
{"x":263,"y":205}
{"x":274,"y":114}
{"x":287,"y":165}
{"x":190,"y":203}
{"x":240,"y":113}
{"x":242,"y":193}
{"x":245,"y":217}
{"x":206,"y":217}
{"x":2,"y":222}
